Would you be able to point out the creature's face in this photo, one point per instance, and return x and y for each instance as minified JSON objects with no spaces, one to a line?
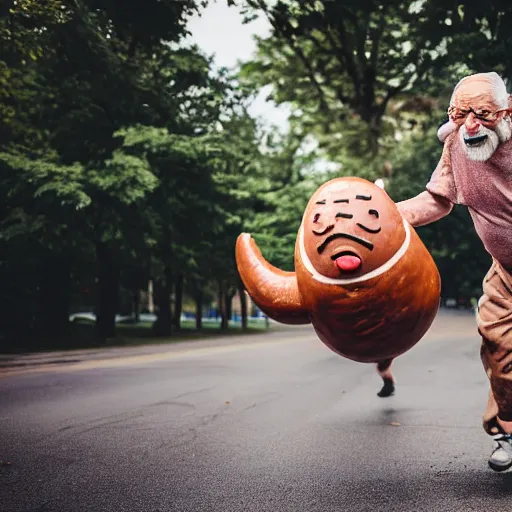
{"x":482,"y":118}
{"x":351,"y":227}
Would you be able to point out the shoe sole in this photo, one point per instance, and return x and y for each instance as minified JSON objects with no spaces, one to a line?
{"x":499,"y":469}
{"x":385,"y":395}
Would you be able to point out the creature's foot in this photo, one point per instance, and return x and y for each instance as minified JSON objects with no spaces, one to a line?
{"x":501,"y":457}
{"x":388,"y":389}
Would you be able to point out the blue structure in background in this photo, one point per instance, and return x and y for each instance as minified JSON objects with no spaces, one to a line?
{"x":214,"y":314}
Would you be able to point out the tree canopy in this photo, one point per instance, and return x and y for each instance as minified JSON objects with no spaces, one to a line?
{"x":127,"y":158}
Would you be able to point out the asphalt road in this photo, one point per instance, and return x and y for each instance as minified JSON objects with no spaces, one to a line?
{"x":273,"y":422}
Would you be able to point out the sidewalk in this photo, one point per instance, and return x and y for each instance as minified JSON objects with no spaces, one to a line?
{"x":11,"y":364}
{"x":448,"y":323}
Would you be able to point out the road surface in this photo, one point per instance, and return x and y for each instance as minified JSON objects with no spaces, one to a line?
{"x":273,"y":422}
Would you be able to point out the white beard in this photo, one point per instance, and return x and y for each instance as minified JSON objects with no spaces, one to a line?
{"x":483,"y":152}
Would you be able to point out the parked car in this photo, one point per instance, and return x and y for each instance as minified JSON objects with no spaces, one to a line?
{"x":462,"y":302}
{"x":91,"y":317}
{"x":450,"y":303}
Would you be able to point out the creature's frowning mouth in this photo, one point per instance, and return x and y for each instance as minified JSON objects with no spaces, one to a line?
{"x":342,"y":253}
{"x":475,"y":140}
{"x":362,"y":241}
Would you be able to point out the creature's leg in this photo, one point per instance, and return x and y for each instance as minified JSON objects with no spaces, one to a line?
{"x":384,"y":370}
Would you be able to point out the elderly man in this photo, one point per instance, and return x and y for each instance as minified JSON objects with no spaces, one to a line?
{"x":475,"y":170}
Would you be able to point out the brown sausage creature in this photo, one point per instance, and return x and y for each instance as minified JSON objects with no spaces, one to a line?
{"x":362,"y":278}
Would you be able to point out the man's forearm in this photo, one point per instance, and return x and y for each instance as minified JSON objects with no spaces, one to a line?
{"x":424,"y":209}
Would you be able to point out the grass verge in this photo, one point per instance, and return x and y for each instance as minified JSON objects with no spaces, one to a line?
{"x":81,"y":335}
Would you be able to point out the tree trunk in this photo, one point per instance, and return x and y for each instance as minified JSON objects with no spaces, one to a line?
{"x":108,"y":293}
{"x":224,"y":322}
{"x":198,"y":297}
{"x":373,"y":119}
{"x":151,"y":306}
{"x":243,"y":305}
{"x":136,"y":305}
{"x":162,"y":295}
{"x":178,"y":303}
{"x":228,"y":297}
{"x":374,"y":133}
{"x":52,"y":317}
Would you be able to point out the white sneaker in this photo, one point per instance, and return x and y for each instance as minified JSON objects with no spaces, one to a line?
{"x":501,"y":457}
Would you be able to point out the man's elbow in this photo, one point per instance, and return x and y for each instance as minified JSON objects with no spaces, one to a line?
{"x":445,"y":206}
{"x":441,"y":208}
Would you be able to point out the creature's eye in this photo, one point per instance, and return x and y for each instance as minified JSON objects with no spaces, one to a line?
{"x":375,"y":213}
{"x":316,"y":217}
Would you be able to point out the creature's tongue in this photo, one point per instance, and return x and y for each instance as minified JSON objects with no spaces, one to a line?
{"x":348,"y":263}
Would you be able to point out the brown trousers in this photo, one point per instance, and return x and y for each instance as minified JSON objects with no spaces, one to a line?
{"x":494,"y":320}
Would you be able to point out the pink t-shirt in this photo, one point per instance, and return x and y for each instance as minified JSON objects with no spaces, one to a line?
{"x":485,"y":188}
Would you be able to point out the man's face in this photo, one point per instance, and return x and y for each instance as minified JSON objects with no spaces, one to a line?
{"x":483,"y":123}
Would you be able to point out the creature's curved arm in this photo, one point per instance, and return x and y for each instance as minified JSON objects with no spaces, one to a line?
{"x":424,"y":209}
{"x":274,"y":291}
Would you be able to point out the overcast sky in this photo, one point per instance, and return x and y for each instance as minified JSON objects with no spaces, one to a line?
{"x":219,"y":31}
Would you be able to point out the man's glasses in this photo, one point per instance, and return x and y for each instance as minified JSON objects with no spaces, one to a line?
{"x":457,"y":114}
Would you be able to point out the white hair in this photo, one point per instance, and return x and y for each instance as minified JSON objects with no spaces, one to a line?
{"x":501,"y":96}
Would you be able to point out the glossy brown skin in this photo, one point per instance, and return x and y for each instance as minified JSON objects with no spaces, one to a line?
{"x":376,"y":319}
{"x":356,"y":208}
{"x":368,"y":321}
{"x":274,"y":291}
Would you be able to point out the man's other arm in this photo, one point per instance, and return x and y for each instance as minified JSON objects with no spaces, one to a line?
{"x":424,"y":209}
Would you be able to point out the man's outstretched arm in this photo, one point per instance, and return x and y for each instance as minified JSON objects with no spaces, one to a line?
{"x":424,"y":209}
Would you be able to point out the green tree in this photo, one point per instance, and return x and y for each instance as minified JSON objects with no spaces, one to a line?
{"x":74,"y":74}
{"x":340,"y":64}
{"x":474,"y":33}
